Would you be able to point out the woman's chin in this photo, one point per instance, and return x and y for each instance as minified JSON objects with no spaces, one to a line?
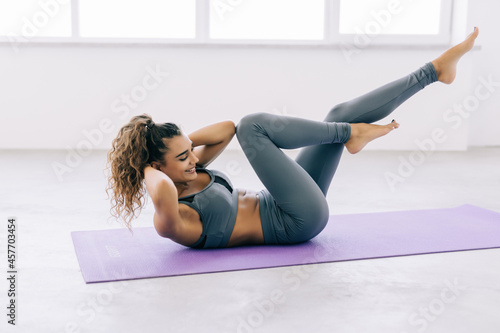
{"x":191,"y":175}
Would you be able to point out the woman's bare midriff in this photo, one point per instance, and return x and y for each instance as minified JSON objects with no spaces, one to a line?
{"x":248,"y":226}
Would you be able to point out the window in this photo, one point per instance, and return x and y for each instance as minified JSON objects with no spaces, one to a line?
{"x":32,"y":18}
{"x":390,"y":17}
{"x":395,"y":21}
{"x":265,"y":19}
{"x":296,"y":22}
{"x":137,"y":19}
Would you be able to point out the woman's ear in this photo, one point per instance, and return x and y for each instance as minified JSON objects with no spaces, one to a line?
{"x":155,"y":165}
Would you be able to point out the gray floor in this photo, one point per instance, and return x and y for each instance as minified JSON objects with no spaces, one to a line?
{"x":449,"y":292}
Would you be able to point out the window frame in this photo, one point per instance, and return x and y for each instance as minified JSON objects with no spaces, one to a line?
{"x":331,"y":38}
{"x":444,"y":36}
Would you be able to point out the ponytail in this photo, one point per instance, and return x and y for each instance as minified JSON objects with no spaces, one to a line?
{"x":137,"y":144}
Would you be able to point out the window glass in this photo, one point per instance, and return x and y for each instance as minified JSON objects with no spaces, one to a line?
{"x":407,"y":17}
{"x":35,"y":18}
{"x":267,"y":19}
{"x":137,"y":18}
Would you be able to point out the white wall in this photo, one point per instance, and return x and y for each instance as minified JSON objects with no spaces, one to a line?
{"x":485,"y":120}
{"x":51,"y":94}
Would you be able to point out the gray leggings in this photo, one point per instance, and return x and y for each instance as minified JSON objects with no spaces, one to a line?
{"x":293,"y":206}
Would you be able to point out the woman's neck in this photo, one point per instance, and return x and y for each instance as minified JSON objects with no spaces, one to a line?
{"x":181,"y":187}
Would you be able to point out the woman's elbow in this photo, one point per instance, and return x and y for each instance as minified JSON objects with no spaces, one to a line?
{"x":230,"y":128}
{"x":164,"y":227}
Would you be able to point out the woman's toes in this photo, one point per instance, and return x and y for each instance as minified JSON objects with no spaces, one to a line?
{"x":393,"y":124}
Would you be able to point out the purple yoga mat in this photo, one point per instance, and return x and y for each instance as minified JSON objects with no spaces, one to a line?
{"x":111,"y":255}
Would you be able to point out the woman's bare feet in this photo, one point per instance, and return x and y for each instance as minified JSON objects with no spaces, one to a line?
{"x":362,"y":133}
{"x":446,"y":63}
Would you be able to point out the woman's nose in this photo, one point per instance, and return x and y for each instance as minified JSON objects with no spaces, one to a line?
{"x":195,"y":158}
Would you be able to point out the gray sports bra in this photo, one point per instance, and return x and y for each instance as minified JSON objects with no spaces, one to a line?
{"x":217,"y":205}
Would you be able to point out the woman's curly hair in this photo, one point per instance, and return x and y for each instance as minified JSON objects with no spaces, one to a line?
{"x":137,"y":144}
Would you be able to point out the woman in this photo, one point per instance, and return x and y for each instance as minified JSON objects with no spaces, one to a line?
{"x":200,"y":208}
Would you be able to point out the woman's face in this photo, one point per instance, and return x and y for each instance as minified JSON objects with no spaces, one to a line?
{"x":180,"y":160}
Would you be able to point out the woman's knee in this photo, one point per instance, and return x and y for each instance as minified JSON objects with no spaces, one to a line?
{"x":253,"y":118}
{"x":337,"y":113}
{"x":250,"y":135}
{"x":251,"y":127}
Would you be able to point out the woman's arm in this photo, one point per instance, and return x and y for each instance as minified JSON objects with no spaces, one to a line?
{"x":169,"y":220}
{"x":164,"y":196}
{"x":211,"y":140}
